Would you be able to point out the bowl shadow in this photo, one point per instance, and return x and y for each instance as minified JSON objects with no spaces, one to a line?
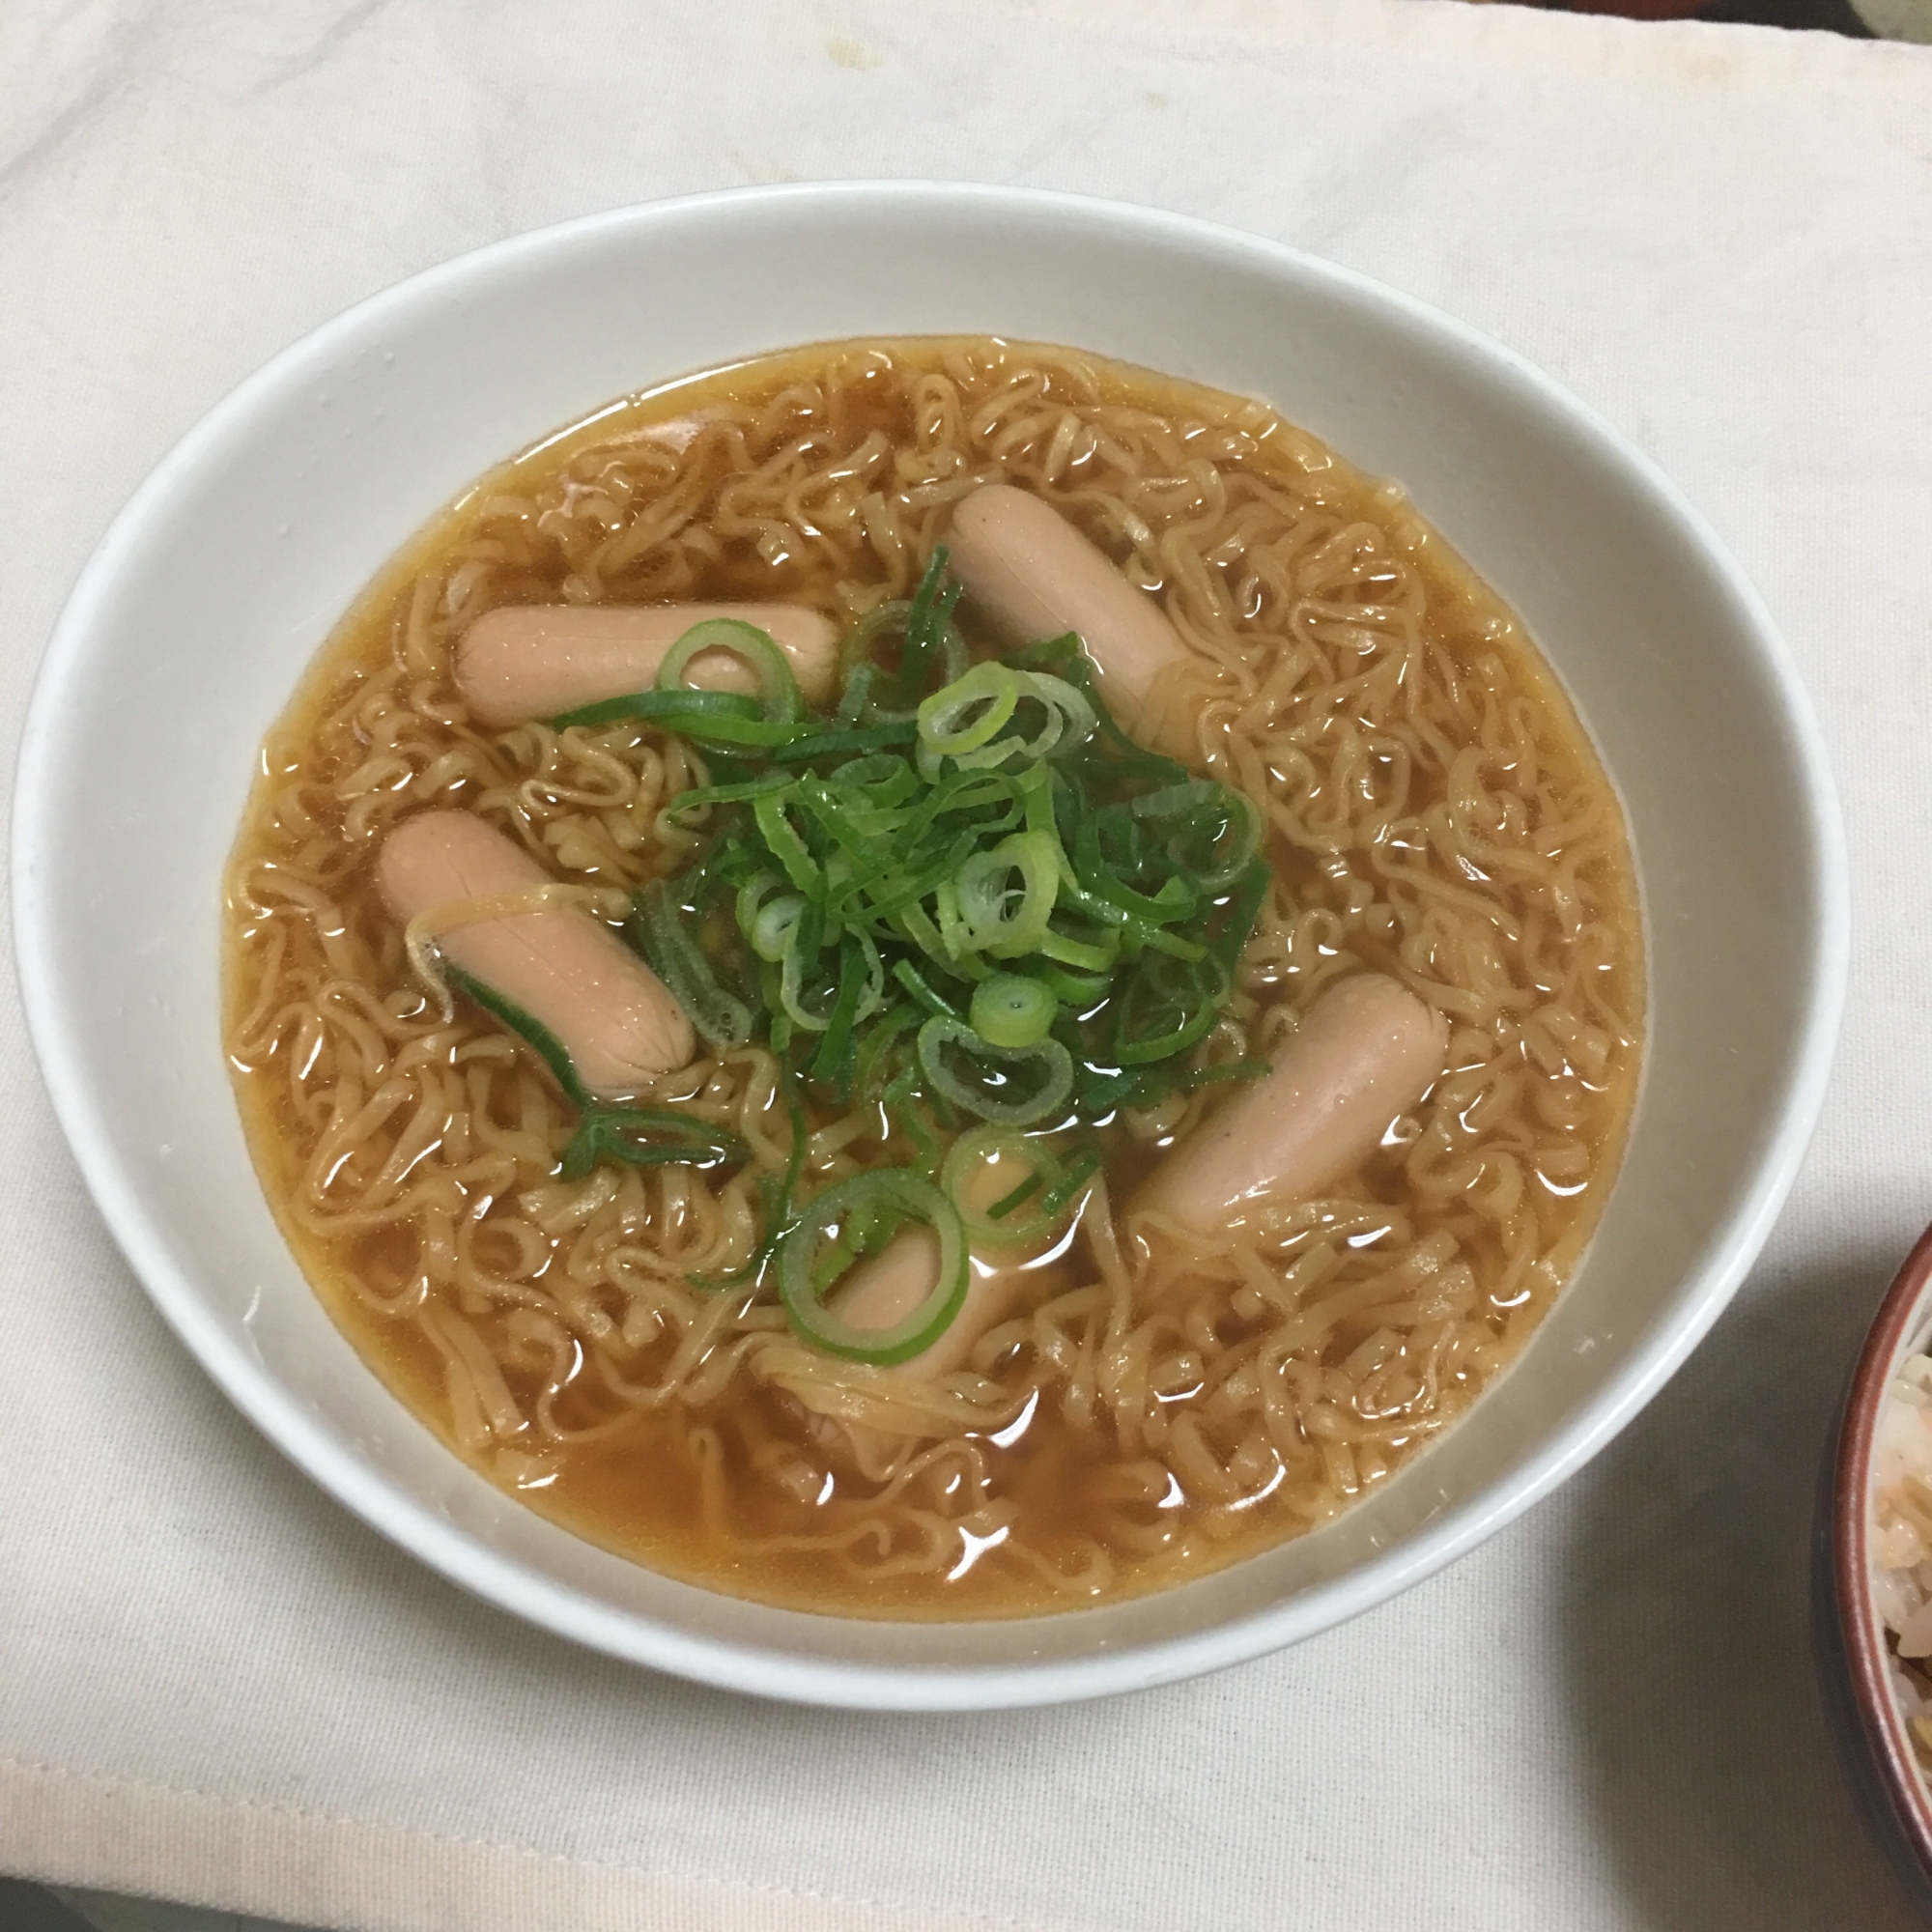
{"x":1686,"y":1628}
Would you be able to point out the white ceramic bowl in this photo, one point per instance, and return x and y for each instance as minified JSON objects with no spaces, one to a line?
{"x":191,"y":626}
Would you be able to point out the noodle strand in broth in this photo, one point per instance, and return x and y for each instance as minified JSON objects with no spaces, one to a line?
{"x":1157,"y":1401}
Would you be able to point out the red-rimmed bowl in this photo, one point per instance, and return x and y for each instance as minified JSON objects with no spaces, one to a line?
{"x":1872,"y":1726}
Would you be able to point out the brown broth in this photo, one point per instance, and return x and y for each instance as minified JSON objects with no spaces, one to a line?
{"x":637,"y":1489}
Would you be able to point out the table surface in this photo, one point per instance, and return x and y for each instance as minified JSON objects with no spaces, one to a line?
{"x":215,"y":1686}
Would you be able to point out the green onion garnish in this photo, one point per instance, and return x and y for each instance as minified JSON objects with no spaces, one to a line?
{"x":1014,"y":1086}
{"x":549,"y":1048}
{"x":1027,"y":1210}
{"x":647,"y":1137}
{"x":638,"y":1136}
{"x":961,"y":894}
{"x":867,"y":1212}
{"x":979,"y":846}
{"x":1011,"y":1010}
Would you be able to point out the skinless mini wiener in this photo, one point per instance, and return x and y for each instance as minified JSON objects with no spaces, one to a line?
{"x":886,"y":1288}
{"x":568,"y":971}
{"x":1366,"y":1051}
{"x":1035,"y":575}
{"x":531,"y":661}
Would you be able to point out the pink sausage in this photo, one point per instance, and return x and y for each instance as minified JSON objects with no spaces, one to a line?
{"x":614,"y":1016}
{"x":538,"y":660}
{"x":1366,"y":1051}
{"x":1035,"y":575}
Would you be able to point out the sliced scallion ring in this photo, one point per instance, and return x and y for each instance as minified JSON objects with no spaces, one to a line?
{"x":1011,"y":1010}
{"x":772,"y":924}
{"x":1001,"y":918}
{"x":969,"y":711}
{"x":1078,"y":990}
{"x":882,"y":778}
{"x":887,"y":1196}
{"x":1068,"y":718}
{"x":809,"y":1006}
{"x":700,"y":796}
{"x":1100,"y":955}
{"x":769,"y":665}
{"x":750,"y":897}
{"x":997,"y":1179}
{"x":1001,"y":1093}
{"x":1211,"y":840}
{"x":787,"y":847}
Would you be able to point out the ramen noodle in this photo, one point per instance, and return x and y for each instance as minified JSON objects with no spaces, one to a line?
{"x":1348,"y":883}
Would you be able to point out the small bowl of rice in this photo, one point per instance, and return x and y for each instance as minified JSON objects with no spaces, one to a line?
{"x":1875,"y":1571}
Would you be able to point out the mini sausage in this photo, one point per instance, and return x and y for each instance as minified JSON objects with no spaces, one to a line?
{"x":884,"y":1290}
{"x":615,"y":1018}
{"x":536,"y":660}
{"x":1035,"y":575}
{"x":1366,"y":1051}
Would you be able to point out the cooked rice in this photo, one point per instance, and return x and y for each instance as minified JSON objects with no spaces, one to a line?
{"x":1901,"y":1493}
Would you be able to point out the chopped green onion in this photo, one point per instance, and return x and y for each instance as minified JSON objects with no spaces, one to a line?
{"x":877,"y":1049}
{"x":985,"y":1157}
{"x":910,"y":978}
{"x":1068,"y":722}
{"x":770,"y":930}
{"x":721,"y":794}
{"x":1167,"y":1007}
{"x":1250,"y":1069}
{"x":660,"y":932}
{"x":928,"y":622}
{"x":969,"y":711}
{"x":549,"y":1049}
{"x":787,"y":846}
{"x":747,"y":642}
{"x":1002,"y":919}
{"x":826,"y":744}
{"x":859,"y":681}
{"x":1178,"y":798}
{"x":808,"y":1004}
{"x":647,"y":1137}
{"x":1006,"y":1202}
{"x":866,"y":1210}
{"x":779,"y":1218}
{"x":1095,"y":957}
{"x":996,"y":1094}
{"x":1070,"y":1182}
{"x":1078,"y":990}
{"x":700,"y":713}
{"x":714,"y":717}
{"x":829,"y":1063}
{"x":1243,"y":909}
{"x":1009,"y":1009}
{"x":962,"y":893}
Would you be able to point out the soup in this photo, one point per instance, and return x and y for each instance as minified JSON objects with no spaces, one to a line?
{"x":933,"y":978}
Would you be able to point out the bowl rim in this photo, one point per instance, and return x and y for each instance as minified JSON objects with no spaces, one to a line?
{"x":757,"y":1667}
{"x":1881,"y":1723}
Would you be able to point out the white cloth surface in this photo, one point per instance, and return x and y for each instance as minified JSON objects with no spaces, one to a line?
{"x":218,"y":1687}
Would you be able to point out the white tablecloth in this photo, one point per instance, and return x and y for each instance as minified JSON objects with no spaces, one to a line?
{"x":215,"y":1685}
